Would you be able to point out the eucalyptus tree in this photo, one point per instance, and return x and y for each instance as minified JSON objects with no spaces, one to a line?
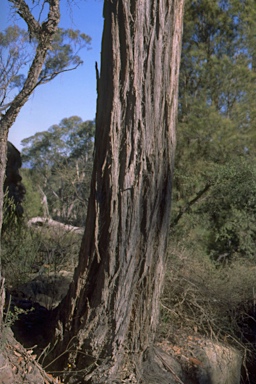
{"x":107,"y":323}
{"x":60,"y":162}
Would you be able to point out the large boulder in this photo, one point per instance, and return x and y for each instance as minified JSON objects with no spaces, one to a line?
{"x":204,"y":361}
{"x":47,"y":288}
{"x":220,"y":364}
{"x":13,"y":186}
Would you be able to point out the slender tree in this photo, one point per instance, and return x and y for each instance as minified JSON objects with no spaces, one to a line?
{"x":108,"y":321}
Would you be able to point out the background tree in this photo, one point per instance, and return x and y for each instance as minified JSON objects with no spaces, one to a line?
{"x":216,"y":109}
{"x":43,"y":35}
{"x":60,"y":164}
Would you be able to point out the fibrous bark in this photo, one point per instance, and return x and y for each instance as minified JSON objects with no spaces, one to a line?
{"x":109,"y":318}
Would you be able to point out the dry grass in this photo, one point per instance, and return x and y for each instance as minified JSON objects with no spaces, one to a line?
{"x":200,"y":298}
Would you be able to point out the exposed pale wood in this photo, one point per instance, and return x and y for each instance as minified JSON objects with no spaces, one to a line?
{"x":47,"y":222}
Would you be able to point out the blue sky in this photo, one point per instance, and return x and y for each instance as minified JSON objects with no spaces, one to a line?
{"x":71,"y":93}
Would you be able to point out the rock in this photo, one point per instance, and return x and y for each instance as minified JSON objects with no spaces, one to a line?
{"x":35,"y":302}
{"x":12,"y":184}
{"x":161,"y":367}
{"x":220,"y":364}
{"x":47,"y":290}
{"x":205,"y":361}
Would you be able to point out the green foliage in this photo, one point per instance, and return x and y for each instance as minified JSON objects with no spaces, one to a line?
{"x":58,"y":248}
{"x":10,"y":218}
{"x":17,"y":50}
{"x":32,"y":201}
{"x":210,"y":278}
{"x":231,"y":210}
{"x":18,"y":254}
{"x":13,"y":59}
{"x":27,"y":252}
{"x":64,"y":54}
{"x":213,"y":181}
{"x":61,"y":163}
{"x":217,"y":83}
{"x":223,"y":222}
{"x":12,"y":316}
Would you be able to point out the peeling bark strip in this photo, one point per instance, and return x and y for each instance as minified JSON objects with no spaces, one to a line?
{"x":112,"y":309}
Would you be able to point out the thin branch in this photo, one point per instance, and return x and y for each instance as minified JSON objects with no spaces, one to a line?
{"x":189,"y":205}
{"x":46,"y":79}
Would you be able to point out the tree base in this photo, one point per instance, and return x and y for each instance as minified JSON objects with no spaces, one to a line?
{"x":153,"y":367}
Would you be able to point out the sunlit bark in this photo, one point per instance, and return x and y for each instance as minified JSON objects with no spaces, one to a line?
{"x":108,"y":321}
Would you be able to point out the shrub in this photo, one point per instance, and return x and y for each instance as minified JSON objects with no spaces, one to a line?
{"x":25,"y":252}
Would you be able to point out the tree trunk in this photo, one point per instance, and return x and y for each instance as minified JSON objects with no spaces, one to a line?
{"x":3,"y":157}
{"x":108,"y":321}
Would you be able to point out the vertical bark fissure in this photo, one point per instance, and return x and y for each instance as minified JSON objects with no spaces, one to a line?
{"x":3,"y":157}
{"x":129,"y":206}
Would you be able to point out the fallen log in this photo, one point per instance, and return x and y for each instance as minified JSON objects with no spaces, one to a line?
{"x":47,"y":222}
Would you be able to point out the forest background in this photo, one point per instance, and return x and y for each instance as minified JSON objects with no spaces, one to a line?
{"x":213,"y":229}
